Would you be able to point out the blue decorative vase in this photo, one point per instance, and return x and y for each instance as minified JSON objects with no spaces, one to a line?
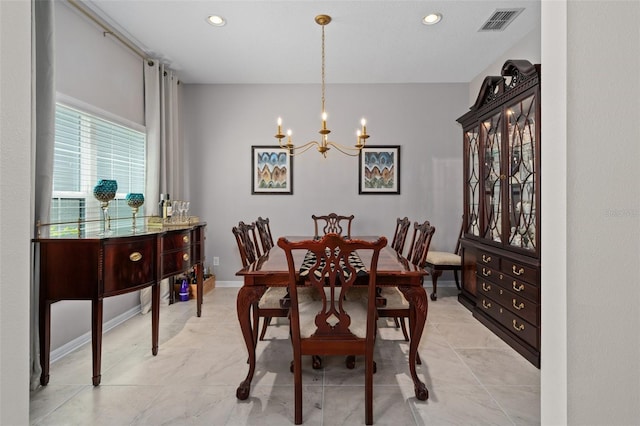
{"x":135,"y":200}
{"x":105,"y":191}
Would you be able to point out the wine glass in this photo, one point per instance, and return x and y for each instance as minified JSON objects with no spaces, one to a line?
{"x":186,"y":210}
{"x":105,"y":191}
{"x":177,"y":211}
{"x":135,"y":200}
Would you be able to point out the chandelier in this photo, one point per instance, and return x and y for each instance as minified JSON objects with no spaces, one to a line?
{"x":325,"y":144}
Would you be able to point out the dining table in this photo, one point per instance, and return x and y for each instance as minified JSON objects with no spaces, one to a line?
{"x":270,"y":270}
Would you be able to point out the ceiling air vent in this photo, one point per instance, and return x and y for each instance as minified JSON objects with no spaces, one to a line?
{"x":500,"y":19}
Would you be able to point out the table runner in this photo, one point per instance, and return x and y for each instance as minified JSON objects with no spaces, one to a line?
{"x":354,"y":260}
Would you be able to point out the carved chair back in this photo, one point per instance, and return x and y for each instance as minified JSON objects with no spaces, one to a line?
{"x":332,"y":223}
{"x":420,"y":242}
{"x":400,"y":235}
{"x":332,"y":324}
{"x":247,"y":245}
{"x":264,"y":231}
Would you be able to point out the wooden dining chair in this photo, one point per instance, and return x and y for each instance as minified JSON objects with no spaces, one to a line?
{"x":398,"y":242}
{"x":332,"y":325}
{"x":332,"y":223}
{"x":274,"y":301}
{"x":400,"y":234}
{"x":397,"y":306}
{"x":439,"y":261}
{"x":264,"y":231}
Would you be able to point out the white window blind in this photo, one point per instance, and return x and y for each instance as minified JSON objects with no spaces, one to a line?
{"x":89,"y":148}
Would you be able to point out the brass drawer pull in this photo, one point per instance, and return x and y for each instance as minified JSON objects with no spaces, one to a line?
{"x":518,"y":306}
{"x":517,"y":271}
{"x":486,"y":287}
{"x":485,"y":304}
{"x":185,"y":239}
{"x":135,"y":256}
{"x":486,"y":273}
{"x":486,"y":259}
{"x":185,"y":257}
{"x":517,"y":287}
{"x":518,"y":327}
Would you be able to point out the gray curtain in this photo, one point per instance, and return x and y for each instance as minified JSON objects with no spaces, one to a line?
{"x":44,"y":113}
{"x":165,"y":170}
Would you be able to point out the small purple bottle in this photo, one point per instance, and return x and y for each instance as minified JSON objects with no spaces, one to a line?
{"x":184,"y":290}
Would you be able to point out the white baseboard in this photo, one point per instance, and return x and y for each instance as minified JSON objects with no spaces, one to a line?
{"x":228,"y":283}
{"x":78,"y":342}
{"x":427,"y":283}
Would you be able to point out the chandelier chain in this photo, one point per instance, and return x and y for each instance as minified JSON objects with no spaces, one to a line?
{"x":323,"y":110}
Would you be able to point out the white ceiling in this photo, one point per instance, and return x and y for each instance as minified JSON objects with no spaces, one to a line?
{"x":275,"y":41}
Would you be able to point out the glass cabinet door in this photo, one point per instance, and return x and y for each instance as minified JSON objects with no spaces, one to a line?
{"x":492,"y":133}
{"x":472,"y":181}
{"x":522,"y":173}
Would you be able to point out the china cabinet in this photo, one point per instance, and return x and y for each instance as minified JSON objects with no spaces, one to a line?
{"x":501,"y":238}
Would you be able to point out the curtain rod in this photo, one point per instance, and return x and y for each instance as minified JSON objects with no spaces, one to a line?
{"x":108,"y":29}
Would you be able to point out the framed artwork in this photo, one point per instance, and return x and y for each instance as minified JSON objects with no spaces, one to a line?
{"x":271,"y":170}
{"x":379,"y":171}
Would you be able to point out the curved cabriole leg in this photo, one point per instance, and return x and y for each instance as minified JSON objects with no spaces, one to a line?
{"x":434,"y":279}
{"x":417,"y":298}
{"x":247,"y":296}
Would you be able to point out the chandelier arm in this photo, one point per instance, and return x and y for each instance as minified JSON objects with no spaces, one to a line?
{"x":297,"y":150}
{"x":345,"y":149}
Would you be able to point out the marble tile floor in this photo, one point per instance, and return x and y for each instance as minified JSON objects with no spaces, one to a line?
{"x":472,"y":376}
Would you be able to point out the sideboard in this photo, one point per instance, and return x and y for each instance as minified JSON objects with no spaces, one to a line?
{"x":92,"y":268}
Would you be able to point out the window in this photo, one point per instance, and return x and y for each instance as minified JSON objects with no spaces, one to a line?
{"x":89,"y":148}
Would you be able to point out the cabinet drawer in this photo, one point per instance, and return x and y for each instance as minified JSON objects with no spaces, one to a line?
{"x":487,"y":273}
{"x":521,"y":288}
{"x":488,"y":259}
{"x":514,"y":324}
{"x":520,"y":306}
{"x":129,"y":264}
{"x":176,"y":240}
{"x":175,"y":262}
{"x":520,"y":271}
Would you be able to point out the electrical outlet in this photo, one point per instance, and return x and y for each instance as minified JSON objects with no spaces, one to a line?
{"x":216,"y":261}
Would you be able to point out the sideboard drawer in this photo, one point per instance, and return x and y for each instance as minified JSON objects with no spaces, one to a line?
{"x":175,"y":262}
{"x":176,"y":240}
{"x":129,"y":264}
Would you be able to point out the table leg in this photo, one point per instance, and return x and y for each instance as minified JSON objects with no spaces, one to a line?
{"x":247,"y":296}
{"x":155,"y":316}
{"x":200,"y":281}
{"x":417,"y":298}
{"x":96,"y":338}
{"x":45,"y":339}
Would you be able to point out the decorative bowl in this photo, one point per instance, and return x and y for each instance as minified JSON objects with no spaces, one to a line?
{"x":105,"y":190}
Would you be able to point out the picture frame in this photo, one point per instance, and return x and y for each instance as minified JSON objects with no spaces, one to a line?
{"x":271,"y":170}
{"x":379,"y":170}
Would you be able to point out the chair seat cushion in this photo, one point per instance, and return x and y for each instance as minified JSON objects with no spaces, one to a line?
{"x":441,"y":258}
{"x":271,"y":298}
{"x":394,"y":297}
{"x":310,"y":308}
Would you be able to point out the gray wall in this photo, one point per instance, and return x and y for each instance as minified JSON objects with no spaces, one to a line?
{"x":99,"y":73}
{"x":223,"y":121}
{"x":15,"y":208}
{"x":603,"y":212}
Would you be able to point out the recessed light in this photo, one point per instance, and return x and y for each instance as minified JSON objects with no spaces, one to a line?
{"x":216,"y":20}
{"x":432,"y":18}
